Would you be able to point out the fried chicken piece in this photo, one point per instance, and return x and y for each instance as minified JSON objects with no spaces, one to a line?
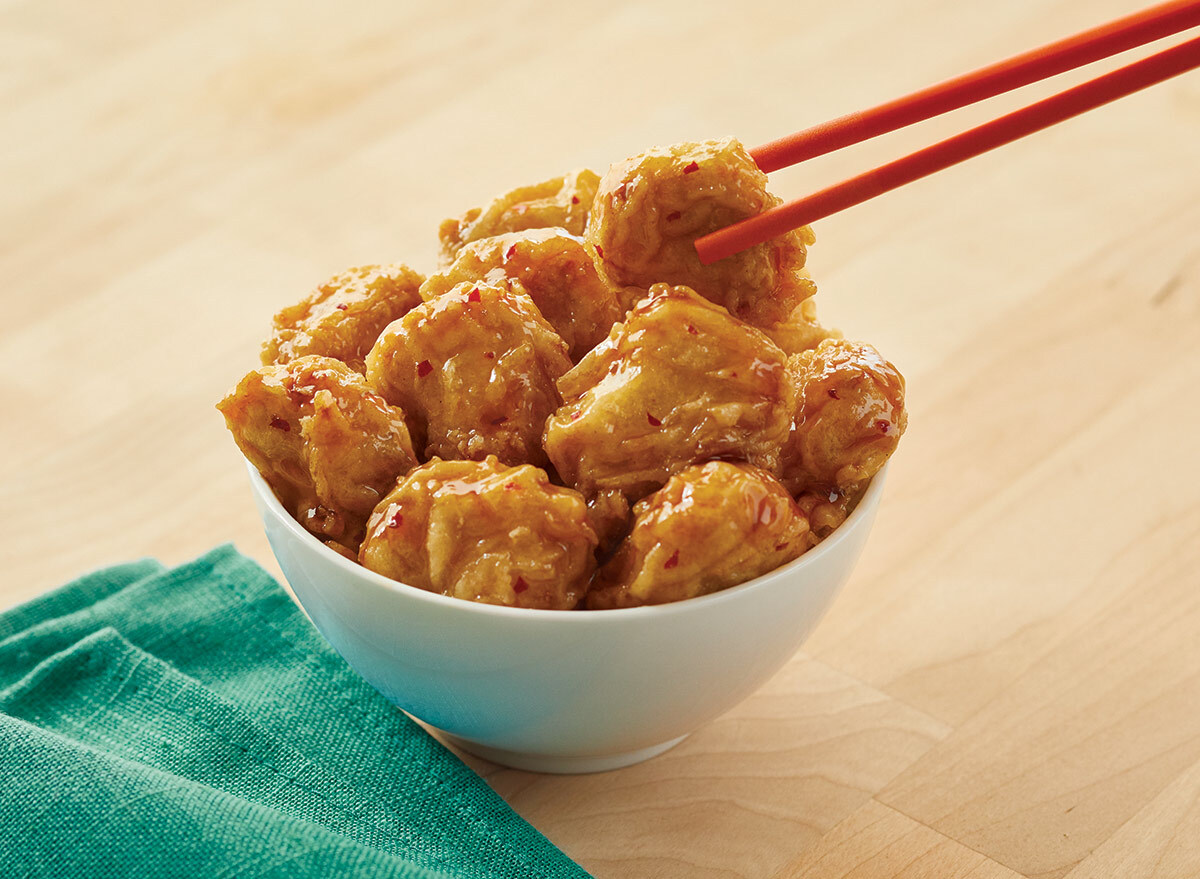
{"x":611,"y":518}
{"x":827,"y":510}
{"x":561,"y":201}
{"x":343,"y":317}
{"x":801,"y":330}
{"x":849,"y":416}
{"x":557,"y":272}
{"x":650,"y":209}
{"x":482,"y":531}
{"x":475,"y":371}
{"x":327,"y":445}
{"x":680,"y":381}
{"x":710,"y":527}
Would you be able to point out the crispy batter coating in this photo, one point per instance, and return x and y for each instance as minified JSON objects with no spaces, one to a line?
{"x":561,"y":201}
{"x":343,"y":317}
{"x":710,"y":527}
{"x":557,"y":272}
{"x":849,"y":416}
{"x":327,"y":445}
{"x":484,"y":532}
{"x":680,"y":381}
{"x":651,"y":208}
{"x":801,"y":330}
{"x":475,"y":371}
{"x":611,"y":518}
{"x":827,"y":510}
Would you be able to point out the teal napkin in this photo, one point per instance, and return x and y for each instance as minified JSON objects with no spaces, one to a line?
{"x":192,"y":723}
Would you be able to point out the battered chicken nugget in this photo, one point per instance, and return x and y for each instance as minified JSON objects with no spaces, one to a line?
{"x":484,"y":532}
{"x":710,"y":527}
{"x":801,"y":330}
{"x":827,"y":510}
{"x":849,"y":416}
{"x":557,"y":272}
{"x":474,"y":369}
{"x":680,"y":381}
{"x":343,"y":317}
{"x":327,"y":445}
{"x":561,"y":201}
{"x":611,"y":517}
{"x":650,"y":210}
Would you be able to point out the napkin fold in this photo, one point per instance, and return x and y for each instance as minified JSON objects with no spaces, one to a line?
{"x":191,"y":722}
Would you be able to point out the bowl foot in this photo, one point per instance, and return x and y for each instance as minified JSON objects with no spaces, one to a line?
{"x":557,"y":764}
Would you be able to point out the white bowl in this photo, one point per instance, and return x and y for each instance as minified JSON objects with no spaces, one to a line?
{"x":562,"y":691}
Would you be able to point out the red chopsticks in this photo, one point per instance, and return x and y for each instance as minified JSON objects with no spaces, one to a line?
{"x":1109,"y":39}
{"x":1126,"y":33}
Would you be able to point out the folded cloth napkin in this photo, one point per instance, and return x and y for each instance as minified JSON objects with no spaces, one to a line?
{"x":192,"y":723}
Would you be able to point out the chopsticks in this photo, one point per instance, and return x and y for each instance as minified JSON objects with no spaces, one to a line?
{"x":1148,"y":25}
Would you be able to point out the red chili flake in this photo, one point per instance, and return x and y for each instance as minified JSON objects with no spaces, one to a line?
{"x":833,"y":393}
{"x":690,"y":168}
{"x":520,"y":586}
{"x":279,"y":424}
{"x":500,"y":420}
{"x":576,"y":415}
{"x":473,"y":296}
{"x":673,"y":216}
{"x":489,"y":355}
{"x":511,"y":486}
{"x":654,"y":422}
{"x":424,"y":368}
{"x":397,"y":520}
{"x":883,"y":426}
{"x":511,"y":252}
{"x":574,"y":199}
{"x":733,"y":375}
{"x":342,"y":307}
{"x":672,"y":561}
{"x":693,"y":330}
{"x":599,"y":251}
{"x":781,"y":546}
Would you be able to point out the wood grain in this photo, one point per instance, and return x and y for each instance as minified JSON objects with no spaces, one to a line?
{"x":751,"y":791}
{"x":1009,"y":685}
{"x":1160,"y":840}
{"x":878,"y":841}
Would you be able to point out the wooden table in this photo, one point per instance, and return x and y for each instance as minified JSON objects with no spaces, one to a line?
{"x":1010,"y":684}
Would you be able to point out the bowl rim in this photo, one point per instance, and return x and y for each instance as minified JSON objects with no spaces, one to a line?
{"x":868,"y":502}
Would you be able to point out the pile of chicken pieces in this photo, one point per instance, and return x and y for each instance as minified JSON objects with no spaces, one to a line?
{"x":574,"y":412}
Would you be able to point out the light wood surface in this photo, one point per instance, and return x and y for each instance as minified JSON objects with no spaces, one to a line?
{"x":1010,"y":684}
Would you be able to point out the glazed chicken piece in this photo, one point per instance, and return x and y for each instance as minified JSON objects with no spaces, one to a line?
{"x":650,"y":209}
{"x":484,"y":532}
{"x":475,"y":371}
{"x":327,"y":445}
{"x":710,"y":527}
{"x":801,"y":330}
{"x":849,"y":417}
{"x":828,"y":509}
{"x":557,"y":272}
{"x":611,"y":518}
{"x":561,"y":201}
{"x":343,"y":317}
{"x":680,"y":381}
